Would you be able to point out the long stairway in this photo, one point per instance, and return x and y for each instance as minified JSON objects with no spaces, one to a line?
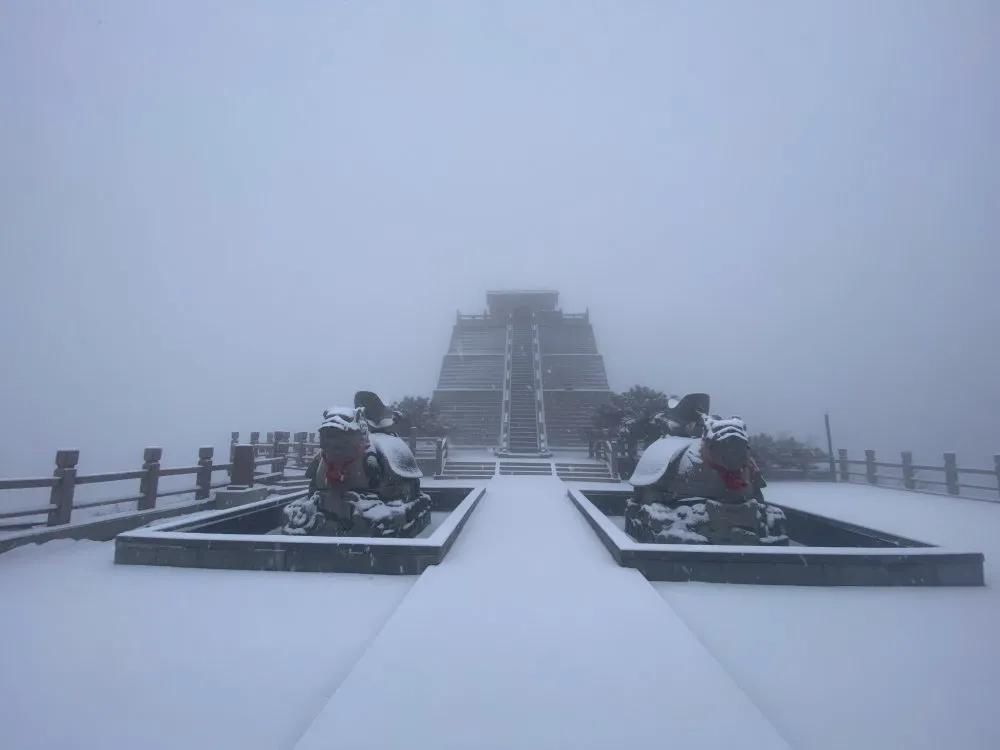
{"x":583,"y":472}
{"x":526,"y":468}
{"x":523,"y":409}
{"x":469,"y":470}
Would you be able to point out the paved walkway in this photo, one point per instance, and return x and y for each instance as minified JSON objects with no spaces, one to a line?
{"x":530,"y":636}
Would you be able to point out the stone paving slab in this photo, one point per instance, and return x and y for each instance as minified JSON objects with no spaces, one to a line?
{"x":530,"y":636}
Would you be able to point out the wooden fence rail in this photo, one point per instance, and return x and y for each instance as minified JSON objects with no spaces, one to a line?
{"x":258,"y":462}
{"x":300,"y":448}
{"x":65,"y":478}
{"x":951,"y":474}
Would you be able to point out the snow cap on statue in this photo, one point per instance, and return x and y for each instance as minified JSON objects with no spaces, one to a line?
{"x":342,"y":418}
{"x":717,"y":429}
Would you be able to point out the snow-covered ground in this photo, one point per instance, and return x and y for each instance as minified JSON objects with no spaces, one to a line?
{"x":530,"y":636}
{"x":527,"y":636}
{"x":871,"y":667}
{"x":94,"y":655}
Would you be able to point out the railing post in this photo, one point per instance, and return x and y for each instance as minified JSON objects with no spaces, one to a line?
{"x":300,"y":449}
{"x":439,"y":455}
{"x":870,"y":474}
{"x":413,"y":440}
{"x":274,"y":438}
{"x":254,"y":439}
{"x":61,"y":495}
{"x":845,"y":475}
{"x":243,"y":458}
{"x":204,"y":473}
{"x":996,"y":469}
{"x":951,"y":473}
{"x":280,"y":464}
{"x":149,"y":484}
{"x":908,"y":481}
{"x":234,"y":439}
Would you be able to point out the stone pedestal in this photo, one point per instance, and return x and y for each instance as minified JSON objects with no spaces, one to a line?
{"x":365,"y":516}
{"x":705,"y":521}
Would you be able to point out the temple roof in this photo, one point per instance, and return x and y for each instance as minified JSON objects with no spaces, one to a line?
{"x":504,"y":301}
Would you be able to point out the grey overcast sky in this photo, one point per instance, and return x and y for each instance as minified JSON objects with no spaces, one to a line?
{"x":229,"y":215}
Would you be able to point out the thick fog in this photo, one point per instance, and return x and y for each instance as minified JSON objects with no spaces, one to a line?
{"x":227,"y":216}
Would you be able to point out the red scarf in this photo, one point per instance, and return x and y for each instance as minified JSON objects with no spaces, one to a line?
{"x":336,"y":471}
{"x":734,"y":479}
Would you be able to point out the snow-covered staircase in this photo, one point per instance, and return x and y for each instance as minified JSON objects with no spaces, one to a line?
{"x":469,"y":470}
{"x":523,"y":406}
{"x":526,"y":468}
{"x":577,"y":472}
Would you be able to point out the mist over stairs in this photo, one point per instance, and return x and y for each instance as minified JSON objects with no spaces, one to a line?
{"x":522,"y":378}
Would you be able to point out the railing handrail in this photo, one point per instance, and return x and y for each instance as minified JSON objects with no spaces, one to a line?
{"x":508,"y":359}
{"x":952,"y":483}
{"x":536,"y":361}
{"x":62,"y":484}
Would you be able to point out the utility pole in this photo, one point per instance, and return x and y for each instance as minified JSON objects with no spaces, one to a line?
{"x":829,"y":447}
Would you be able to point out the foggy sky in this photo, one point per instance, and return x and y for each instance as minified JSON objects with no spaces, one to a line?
{"x":220,"y":216}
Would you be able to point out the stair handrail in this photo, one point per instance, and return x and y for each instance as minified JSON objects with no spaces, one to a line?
{"x":536,"y":352}
{"x":610,"y":450}
{"x":507,"y":368}
{"x":441,"y":449}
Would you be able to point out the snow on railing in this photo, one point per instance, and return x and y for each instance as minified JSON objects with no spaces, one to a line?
{"x":507,"y":371}
{"x":66,"y":478}
{"x":536,"y":358}
{"x":906,"y":475}
{"x":244,"y":470}
{"x":608,"y":451}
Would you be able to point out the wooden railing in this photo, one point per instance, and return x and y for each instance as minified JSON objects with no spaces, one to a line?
{"x":66,"y":478}
{"x":536,"y":366}
{"x":250,"y":464}
{"x":609,"y":451}
{"x":430,"y":452}
{"x":508,"y":358}
{"x":947,"y":478}
{"x":299,"y":448}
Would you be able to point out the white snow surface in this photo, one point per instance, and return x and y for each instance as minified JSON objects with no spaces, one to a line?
{"x":655,"y":459}
{"x":531,"y":636}
{"x":94,"y":655}
{"x":866,"y":667}
{"x":527,"y":636}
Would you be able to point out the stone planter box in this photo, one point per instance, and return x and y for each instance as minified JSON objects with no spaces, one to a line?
{"x":828,"y":552}
{"x":238,"y":539}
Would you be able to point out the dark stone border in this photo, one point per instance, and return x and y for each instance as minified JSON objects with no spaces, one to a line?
{"x":888,"y":560}
{"x":192,"y":543}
